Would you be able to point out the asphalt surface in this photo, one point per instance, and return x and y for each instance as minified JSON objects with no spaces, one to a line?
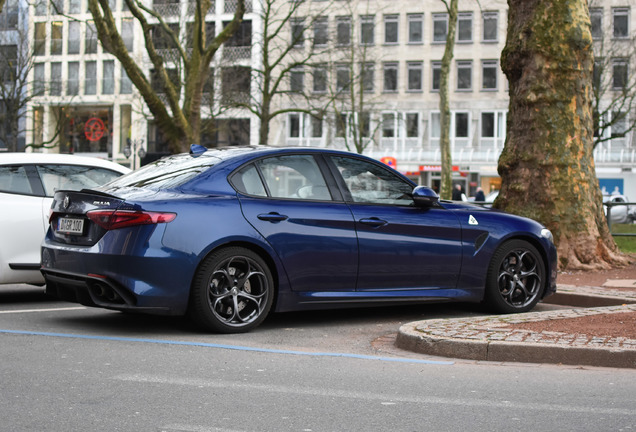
{"x":491,"y":338}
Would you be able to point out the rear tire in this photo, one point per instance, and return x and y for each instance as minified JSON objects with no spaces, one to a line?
{"x":232,"y":291}
{"x":516,"y":278}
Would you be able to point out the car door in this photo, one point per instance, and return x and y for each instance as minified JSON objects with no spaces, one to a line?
{"x":21,"y":224}
{"x":401,"y":247}
{"x":288,"y":200}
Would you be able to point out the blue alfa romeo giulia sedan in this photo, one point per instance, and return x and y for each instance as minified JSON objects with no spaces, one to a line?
{"x":226,"y":236}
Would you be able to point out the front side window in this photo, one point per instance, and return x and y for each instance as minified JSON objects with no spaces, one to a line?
{"x":369,"y":183}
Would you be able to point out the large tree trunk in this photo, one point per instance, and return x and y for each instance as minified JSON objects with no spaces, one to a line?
{"x":547,"y":167}
{"x":446,"y":181}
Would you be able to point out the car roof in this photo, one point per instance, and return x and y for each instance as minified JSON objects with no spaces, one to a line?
{"x":58,"y":158}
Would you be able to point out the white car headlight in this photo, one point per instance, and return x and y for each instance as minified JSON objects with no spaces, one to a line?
{"x":546,"y":233}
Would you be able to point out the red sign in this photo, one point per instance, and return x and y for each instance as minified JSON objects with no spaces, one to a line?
{"x":94,"y":129}
{"x":390,"y":161}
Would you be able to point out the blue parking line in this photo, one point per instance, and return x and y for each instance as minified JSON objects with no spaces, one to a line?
{"x":227,"y":347}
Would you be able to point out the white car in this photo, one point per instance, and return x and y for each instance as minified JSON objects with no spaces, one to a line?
{"x":27,"y":184}
{"x":620,"y":214}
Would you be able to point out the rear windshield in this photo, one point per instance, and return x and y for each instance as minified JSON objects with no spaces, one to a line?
{"x":167,"y":173}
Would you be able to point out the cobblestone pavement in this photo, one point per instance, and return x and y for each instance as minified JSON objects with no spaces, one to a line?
{"x":491,"y":338}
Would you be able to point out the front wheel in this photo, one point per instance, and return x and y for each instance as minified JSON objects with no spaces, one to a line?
{"x":516,"y":277}
{"x":232,"y":291}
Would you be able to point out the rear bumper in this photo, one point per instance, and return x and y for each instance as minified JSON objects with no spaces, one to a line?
{"x":95,"y":292}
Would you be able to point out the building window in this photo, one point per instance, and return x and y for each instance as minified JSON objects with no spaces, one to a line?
{"x":320,"y":32}
{"x":390,"y":77}
{"x":39,"y":39}
{"x":72,"y":82}
{"x":294,"y":125}
{"x":464,"y":75}
{"x":465,"y":27}
{"x":296,"y":80}
{"x":367,"y":76}
{"x":125,"y":84}
{"x":414,"y":72}
{"x":619,"y":124}
{"x":90,"y":41}
{"x":461,"y":125}
{"x":412,"y":125}
{"x":57,"y":7}
{"x":416,"y":28}
{"x":320,"y":79}
{"x":391,"y":24}
{"x":493,"y":129}
{"x":489,"y":74}
{"x":436,"y":75}
{"x":440,"y":28}
{"x":108,"y":77}
{"x":128,"y":33}
{"x":56,"y":37}
{"x":621,"y":22}
{"x":343,"y":77}
{"x":75,"y":6}
{"x":388,"y":125}
{"x":38,"y":79}
{"x":56,"y":79}
{"x":90,"y":78}
{"x":73,"y":46}
{"x":366,"y":30}
{"x":596,"y":18}
{"x":41,"y":8}
{"x":490,"y":22}
{"x":343,"y":31}
{"x":297,"y":32}
{"x":620,"y":74}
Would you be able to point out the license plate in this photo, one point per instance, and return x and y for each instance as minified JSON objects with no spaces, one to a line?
{"x":70,"y":226}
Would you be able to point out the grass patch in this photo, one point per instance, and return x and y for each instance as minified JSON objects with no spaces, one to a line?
{"x":625,"y":243}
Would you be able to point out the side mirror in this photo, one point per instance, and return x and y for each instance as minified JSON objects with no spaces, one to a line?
{"x":425,"y":196}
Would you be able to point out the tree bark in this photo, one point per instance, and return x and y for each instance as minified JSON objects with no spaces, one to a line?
{"x":446,"y":181}
{"x":547,"y":166}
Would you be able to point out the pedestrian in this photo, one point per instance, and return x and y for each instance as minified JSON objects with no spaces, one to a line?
{"x":457,"y":193}
{"x":479,"y":196}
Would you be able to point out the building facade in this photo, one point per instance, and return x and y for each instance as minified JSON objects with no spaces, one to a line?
{"x":361,"y":75}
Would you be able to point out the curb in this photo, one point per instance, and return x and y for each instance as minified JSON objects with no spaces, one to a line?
{"x":489,"y":338}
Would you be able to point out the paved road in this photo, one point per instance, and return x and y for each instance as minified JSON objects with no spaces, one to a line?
{"x":64,"y":367}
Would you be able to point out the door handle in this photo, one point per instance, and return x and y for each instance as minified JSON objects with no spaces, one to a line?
{"x":272,"y":217}
{"x":374,"y":222}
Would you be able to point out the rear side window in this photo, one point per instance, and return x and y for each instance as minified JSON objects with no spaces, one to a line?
{"x":13,"y":179}
{"x":73,"y":177}
{"x":292,"y":177}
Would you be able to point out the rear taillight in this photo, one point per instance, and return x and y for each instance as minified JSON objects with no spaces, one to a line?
{"x":109,"y":219}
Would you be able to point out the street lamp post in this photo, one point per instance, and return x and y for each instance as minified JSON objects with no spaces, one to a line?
{"x":131,"y":150}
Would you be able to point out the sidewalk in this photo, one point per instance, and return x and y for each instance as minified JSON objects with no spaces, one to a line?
{"x":495,"y":338}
